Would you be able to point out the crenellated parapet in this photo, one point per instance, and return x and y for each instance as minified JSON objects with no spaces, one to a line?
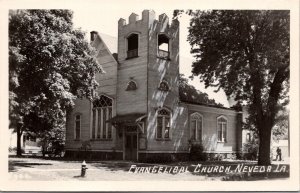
{"x":148,"y":16}
{"x":121,"y":22}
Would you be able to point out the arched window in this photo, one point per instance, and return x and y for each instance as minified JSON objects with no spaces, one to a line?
{"x":131,"y":85}
{"x":163,"y":86}
{"x":132,"y":45}
{"x":163,"y":124}
{"x":163,"y":46}
{"x":77,"y":128}
{"x":102,"y":111}
{"x":222,"y":128}
{"x":196,"y":125}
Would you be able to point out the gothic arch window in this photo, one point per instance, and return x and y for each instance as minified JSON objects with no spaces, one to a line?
{"x":163,"y":124}
{"x":222,"y":128}
{"x":102,"y":111}
{"x":132,"y":45}
{"x":163,"y":46}
{"x":163,"y":86}
{"x":196,"y":126}
{"x":77,"y":127}
{"x":131,"y":85}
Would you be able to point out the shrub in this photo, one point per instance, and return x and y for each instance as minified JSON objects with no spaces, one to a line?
{"x":232,"y":156}
{"x":216,"y":157}
{"x":158,"y":158}
{"x":251,"y":150}
{"x":10,"y":149}
{"x":197,"y":154}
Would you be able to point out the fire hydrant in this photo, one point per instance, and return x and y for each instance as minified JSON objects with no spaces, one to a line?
{"x":83,"y":168}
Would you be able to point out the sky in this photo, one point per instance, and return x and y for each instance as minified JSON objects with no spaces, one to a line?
{"x":105,"y":21}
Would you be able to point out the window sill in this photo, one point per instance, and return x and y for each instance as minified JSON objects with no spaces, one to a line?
{"x":131,"y":57}
{"x":163,"y":90}
{"x":163,"y":139}
{"x":164,"y":58}
{"x":131,"y":90}
{"x":101,"y":139}
{"x":196,"y":140}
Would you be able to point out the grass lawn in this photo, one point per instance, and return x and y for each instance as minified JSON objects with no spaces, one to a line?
{"x":49,"y":169}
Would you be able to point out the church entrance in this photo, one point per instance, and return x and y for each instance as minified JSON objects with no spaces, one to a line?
{"x":131,"y":146}
{"x":131,"y":143}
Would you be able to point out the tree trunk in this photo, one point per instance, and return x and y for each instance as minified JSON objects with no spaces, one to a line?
{"x":19,"y":135}
{"x":264,"y":144}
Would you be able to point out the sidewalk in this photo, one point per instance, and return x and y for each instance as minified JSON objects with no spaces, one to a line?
{"x":286,"y":160}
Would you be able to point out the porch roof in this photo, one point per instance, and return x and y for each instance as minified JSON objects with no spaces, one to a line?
{"x":127,"y":119}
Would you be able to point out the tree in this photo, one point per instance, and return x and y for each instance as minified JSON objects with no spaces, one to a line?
{"x":188,"y":93}
{"x":49,"y":62}
{"x":281,"y":128}
{"x":246,"y":53}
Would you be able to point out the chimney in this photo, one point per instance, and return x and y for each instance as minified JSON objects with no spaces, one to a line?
{"x":93,"y":35}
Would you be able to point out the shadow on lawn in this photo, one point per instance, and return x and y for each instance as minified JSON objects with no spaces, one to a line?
{"x":122,"y":165}
{"x":37,"y":156}
{"x":114,"y":166}
{"x":13,"y":164}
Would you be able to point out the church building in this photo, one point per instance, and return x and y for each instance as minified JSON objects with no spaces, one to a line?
{"x":136,"y":113}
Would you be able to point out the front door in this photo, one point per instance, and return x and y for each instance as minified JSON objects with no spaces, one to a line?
{"x":131,"y":146}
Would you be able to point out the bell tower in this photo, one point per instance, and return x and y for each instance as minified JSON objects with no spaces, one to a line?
{"x":148,"y":70}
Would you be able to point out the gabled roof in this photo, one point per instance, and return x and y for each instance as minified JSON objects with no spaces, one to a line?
{"x":204,"y":104}
{"x":104,"y":44}
{"x":110,"y":42}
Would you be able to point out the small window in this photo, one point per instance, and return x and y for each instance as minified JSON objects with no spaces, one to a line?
{"x":196,"y":127}
{"x":131,"y":86}
{"x":163,"y":46}
{"x":163,"y":124}
{"x":77,"y":126}
{"x":222,"y":129}
{"x":163,"y":86}
{"x":33,"y":138}
{"x":132,"y":46}
{"x":248,"y":137}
